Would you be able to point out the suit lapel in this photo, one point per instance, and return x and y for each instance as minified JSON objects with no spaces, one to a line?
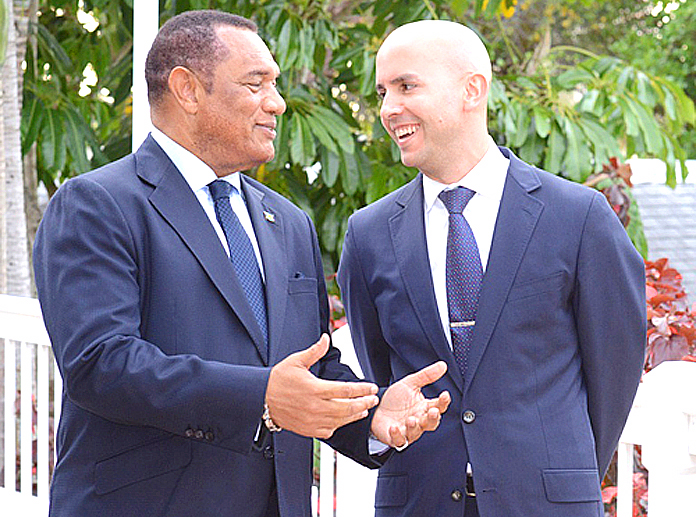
{"x":517,"y":217}
{"x":178,"y":205}
{"x":407,"y":229}
{"x":268,"y":227}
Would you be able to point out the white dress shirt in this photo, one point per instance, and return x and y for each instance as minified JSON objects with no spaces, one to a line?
{"x":487,"y":179}
{"x":198,"y":175}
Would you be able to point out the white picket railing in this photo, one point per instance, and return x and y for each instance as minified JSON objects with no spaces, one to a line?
{"x":663,"y":421}
{"x":30,"y":403}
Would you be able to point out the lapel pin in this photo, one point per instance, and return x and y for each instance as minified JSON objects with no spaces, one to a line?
{"x":269,"y":216}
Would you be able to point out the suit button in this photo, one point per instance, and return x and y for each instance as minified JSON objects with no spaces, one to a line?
{"x":268,"y":452}
{"x":199,"y":434}
{"x":468,"y":416}
{"x":189,"y":433}
{"x":457,"y":495}
{"x":209,"y":436}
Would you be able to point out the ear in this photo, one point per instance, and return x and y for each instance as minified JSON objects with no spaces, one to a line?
{"x":186,"y":89}
{"x":475,"y":91}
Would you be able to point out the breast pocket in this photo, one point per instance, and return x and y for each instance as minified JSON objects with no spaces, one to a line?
{"x":302,"y":325}
{"x":537,"y":287}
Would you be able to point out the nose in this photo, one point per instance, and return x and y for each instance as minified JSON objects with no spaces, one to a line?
{"x":390,"y":107}
{"x":275,"y":103}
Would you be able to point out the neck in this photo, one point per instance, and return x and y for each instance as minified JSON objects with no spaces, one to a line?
{"x":464,"y":162}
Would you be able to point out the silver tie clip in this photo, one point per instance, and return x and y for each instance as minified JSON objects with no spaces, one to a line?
{"x":459,"y":324}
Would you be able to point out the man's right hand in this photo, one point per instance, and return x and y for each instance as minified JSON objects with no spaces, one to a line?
{"x":300,"y":402}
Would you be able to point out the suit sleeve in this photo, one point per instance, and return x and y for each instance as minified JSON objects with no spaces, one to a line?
{"x":350,"y":440}
{"x":610,"y":314}
{"x":88,"y":277}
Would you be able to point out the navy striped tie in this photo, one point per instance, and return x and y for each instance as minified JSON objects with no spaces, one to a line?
{"x":464,"y":274}
{"x":241,"y":253}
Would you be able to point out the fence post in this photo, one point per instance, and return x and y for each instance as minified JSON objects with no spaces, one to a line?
{"x":669,"y":448}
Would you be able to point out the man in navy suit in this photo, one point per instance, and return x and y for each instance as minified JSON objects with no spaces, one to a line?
{"x":556,"y":342}
{"x":178,"y":381}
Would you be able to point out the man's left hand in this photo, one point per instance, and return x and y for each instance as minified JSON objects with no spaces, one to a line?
{"x":404,"y":414}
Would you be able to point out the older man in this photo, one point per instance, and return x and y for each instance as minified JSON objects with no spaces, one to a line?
{"x":180,"y":297}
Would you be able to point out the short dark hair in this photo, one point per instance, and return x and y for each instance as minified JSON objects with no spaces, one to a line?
{"x":189,"y":40}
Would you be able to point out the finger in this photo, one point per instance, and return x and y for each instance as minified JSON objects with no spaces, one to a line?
{"x":443,"y":401}
{"x":427,"y":375}
{"x":307,"y":357}
{"x":345,"y":412}
{"x":344,"y":390}
{"x":396,"y":436}
{"x":348,"y":410}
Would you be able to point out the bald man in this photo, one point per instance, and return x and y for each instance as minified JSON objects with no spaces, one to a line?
{"x":524,"y":283}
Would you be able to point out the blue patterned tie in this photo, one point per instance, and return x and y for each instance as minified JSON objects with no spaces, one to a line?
{"x":241,"y":253}
{"x":464,"y":274}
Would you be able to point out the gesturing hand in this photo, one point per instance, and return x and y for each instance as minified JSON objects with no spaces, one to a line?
{"x":304,"y":404}
{"x":404,"y":414}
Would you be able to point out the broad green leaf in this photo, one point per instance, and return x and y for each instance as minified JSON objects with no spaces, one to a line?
{"x":52,"y":46}
{"x":573,"y":161}
{"x":589,"y":101}
{"x":604,"y":145}
{"x":75,"y":139}
{"x":630,"y":117}
{"x":330,"y":228}
{"x":367,"y":78}
{"x":319,"y":129}
{"x":330,"y":166}
{"x":49,"y":139}
{"x":556,"y":148}
{"x":32,"y":119}
{"x":624,"y":77}
{"x":649,"y":129}
{"x":542,"y":121}
{"x":645,"y":92}
{"x":350,"y":176}
{"x":336,"y":126}
{"x":287,"y":45}
{"x":571,"y":78}
{"x":298,"y":147}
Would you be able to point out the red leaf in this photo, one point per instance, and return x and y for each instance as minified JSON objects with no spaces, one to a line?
{"x":609,"y":494}
{"x":672,"y":349}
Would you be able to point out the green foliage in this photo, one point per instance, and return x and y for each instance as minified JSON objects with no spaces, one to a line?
{"x":4,"y":19}
{"x":574,"y":122}
{"x":77,"y":129}
{"x":567,"y":110}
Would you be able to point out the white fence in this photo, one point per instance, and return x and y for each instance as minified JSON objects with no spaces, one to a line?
{"x":31,"y":390}
{"x":663,"y":422}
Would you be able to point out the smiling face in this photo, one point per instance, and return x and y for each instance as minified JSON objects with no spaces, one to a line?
{"x":236,"y":120}
{"x":431,"y":105}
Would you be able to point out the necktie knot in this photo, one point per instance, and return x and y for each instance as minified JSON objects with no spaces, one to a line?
{"x":455,"y":200}
{"x":220,"y":189}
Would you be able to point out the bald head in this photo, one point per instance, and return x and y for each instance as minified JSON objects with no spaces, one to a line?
{"x":450,"y":43}
{"x":434,"y":78}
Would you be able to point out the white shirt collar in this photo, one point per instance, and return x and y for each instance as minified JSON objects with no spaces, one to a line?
{"x":194,"y":170}
{"x":487,"y":178}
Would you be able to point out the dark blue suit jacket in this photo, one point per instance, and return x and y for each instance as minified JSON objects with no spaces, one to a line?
{"x":164,"y":382}
{"x":556,"y":358}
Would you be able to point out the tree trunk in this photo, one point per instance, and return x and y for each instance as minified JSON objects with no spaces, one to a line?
{"x":26,"y":20}
{"x":15,"y":250}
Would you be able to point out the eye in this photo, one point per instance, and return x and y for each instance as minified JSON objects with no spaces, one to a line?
{"x":255,"y":87}
{"x":407,"y":87}
{"x":381,"y":92}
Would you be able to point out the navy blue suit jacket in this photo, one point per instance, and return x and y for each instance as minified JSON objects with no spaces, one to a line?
{"x":554,"y":365}
{"x":164,"y":379}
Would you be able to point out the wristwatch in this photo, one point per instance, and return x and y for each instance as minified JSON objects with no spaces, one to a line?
{"x":272,"y":426}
